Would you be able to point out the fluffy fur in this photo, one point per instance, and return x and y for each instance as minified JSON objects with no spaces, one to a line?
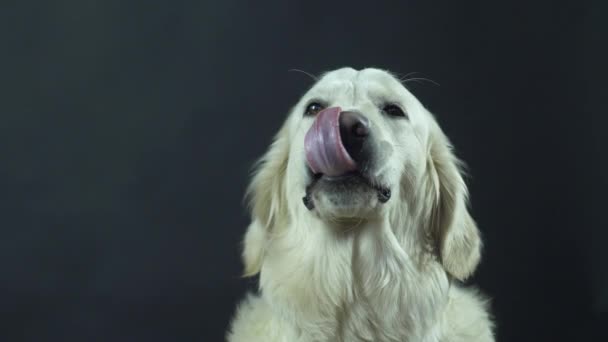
{"x":391,"y":271}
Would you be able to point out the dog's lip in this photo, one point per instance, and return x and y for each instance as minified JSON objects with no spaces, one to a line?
{"x":384,"y":192}
{"x":338,"y":178}
{"x":349,"y":175}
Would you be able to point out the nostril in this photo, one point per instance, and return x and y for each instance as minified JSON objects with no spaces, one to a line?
{"x":360,"y":130}
{"x":354,"y":131}
{"x":354,"y":124}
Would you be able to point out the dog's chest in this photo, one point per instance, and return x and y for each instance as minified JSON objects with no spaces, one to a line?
{"x":388,"y":316}
{"x":362,"y":293}
{"x":398,"y":310}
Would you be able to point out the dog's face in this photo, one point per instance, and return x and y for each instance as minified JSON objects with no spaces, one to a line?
{"x":355,"y":137}
{"x":358,"y":147}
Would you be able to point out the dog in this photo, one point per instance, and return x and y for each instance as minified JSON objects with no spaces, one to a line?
{"x":360,"y":226}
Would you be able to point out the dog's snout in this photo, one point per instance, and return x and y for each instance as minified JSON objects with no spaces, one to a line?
{"x":354,"y":124}
{"x":354,"y":130}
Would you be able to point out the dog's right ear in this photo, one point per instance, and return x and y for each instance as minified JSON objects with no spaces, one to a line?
{"x":266,"y":197}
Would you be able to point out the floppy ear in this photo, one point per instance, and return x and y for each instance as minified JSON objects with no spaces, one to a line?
{"x":266,"y":197}
{"x":455,"y":232}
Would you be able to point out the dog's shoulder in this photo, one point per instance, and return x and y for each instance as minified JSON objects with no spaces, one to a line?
{"x":255,"y":322}
{"x":466,"y":317}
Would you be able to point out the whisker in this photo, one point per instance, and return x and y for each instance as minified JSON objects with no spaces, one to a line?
{"x":315,"y":78}
{"x":417,"y":79}
{"x":401,"y":78}
{"x":407,"y":78}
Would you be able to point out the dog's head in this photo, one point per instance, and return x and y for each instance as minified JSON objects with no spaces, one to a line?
{"x":360,"y":147}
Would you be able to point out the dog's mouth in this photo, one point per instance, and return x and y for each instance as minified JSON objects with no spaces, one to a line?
{"x":350,"y":184}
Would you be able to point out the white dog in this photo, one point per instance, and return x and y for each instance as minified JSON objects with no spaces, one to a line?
{"x":360,"y":229}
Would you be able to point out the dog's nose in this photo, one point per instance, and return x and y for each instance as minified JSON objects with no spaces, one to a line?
{"x":354,"y":130}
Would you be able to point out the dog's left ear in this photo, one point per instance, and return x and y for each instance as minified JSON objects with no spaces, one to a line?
{"x":454,"y":230}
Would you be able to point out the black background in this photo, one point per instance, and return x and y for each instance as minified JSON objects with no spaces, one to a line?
{"x":128,"y":129}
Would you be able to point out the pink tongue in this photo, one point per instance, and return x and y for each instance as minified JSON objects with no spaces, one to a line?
{"x":325,"y":152}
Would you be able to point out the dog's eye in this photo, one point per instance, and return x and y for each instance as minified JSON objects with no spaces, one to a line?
{"x":393,"y":110}
{"x":313,"y":108}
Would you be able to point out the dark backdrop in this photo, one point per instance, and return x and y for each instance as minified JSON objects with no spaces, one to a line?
{"x":128,"y":129}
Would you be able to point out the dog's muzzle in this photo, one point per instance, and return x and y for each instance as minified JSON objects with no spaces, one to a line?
{"x":335,"y":141}
{"x":335,"y":148}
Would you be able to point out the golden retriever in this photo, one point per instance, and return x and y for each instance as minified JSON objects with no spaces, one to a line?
{"x":360,"y":229}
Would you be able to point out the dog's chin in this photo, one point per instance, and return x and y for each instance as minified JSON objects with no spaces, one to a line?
{"x":345,"y":199}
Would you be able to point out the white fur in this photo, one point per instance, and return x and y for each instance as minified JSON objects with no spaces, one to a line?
{"x":391,"y":275}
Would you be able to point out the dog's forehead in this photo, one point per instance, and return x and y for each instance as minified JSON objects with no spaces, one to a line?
{"x":371,"y":81}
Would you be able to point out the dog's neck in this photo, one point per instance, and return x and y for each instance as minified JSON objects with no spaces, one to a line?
{"x":355,"y":285}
